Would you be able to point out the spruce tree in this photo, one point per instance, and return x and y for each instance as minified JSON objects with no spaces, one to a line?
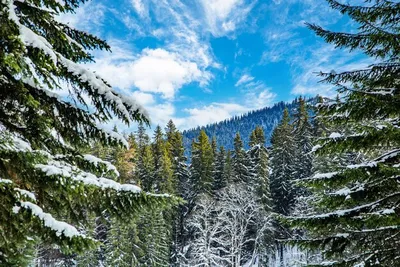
{"x":174,"y":144}
{"x":303,"y":135}
{"x":357,"y":215}
{"x":282,"y":164}
{"x":202,"y":165}
{"x":259,"y":161}
{"x":219,"y":168}
{"x":241,"y":162}
{"x":47,"y":186}
{"x":228,"y":169}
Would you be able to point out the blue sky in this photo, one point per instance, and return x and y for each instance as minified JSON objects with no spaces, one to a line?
{"x":203,"y":61}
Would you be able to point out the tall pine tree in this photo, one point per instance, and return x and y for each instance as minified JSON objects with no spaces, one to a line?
{"x":357,"y":221}
{"x":47,"y":186}
{"x":282,"y":164}
{"x":241,"y":162}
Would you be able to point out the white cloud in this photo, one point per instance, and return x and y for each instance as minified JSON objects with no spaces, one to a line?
{"x":140,"y":8}
{"x":81,"y":20}
{"x":223,"y":16}
{"x":211,"y":113}
{"x":244,"y":79}
{"x":154,"y":70}
{"x":257,"y":100}
{"x":163,"y":72}
{"x":256,"y":93}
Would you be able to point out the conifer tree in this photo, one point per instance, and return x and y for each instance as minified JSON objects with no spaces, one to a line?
{"x":357,"y":212}
{"x":259,"y":160}
{"x":282,"y":164}
{"x":219,"y":177}
{"x":202,"y":165}
{"x":241,"y":163}
{"x":158,"y":148}
{"x":228,"y":169}
{"x":181,"y":175}
{"x":47,"y":186}
{"x":303,"y":134}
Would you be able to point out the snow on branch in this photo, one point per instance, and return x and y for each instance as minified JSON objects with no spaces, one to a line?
{"x":30,"y":38}
{"x":345,"y":212}
{"x":61,"y":228}
{"x":26,"y":193}
{"x":96,"y":161}
{"x":64,"y":169}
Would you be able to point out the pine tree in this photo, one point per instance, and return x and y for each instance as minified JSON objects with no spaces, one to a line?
{"x":303,"y":134}
{"x":47,"y":185}
{"x":259,"y":160}
{"x":260,"y":186}
{"x":228,"y":169}
{"x":357,"y":215}
{"x":158,"y":149}
{"x":282,"y":164}
{"x":145,"y":163}
{"x":202,"y":165}
{"x":181,"y":175}
{"x":241,"y":163}
{"x":219,"y":168}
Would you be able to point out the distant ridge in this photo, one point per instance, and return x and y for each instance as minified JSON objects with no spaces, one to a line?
{"x":225,"y":131}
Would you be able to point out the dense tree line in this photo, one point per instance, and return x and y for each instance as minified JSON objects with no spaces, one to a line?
{"x":224,"y":132}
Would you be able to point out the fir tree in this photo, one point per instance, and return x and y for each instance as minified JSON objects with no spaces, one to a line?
{"x":282,"y":164}
{"x":303,"y":134}
{"x":228,"y":169}
{"x":158,"y":149}
{"x":174,"y":145}
{"x":202,"y":165}
{"x":47,"y":185}
{"x":357,"y":221}
{"x":241,"y":163}
{"x":219,"y":169}
{"x":259,"y":160}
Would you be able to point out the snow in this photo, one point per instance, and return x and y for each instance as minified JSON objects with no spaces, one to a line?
{"x":16,"y":209}
{"x":114,"y":135}
{"x":373,"y":163}
{"x":327,"y":175}
{"x":61,"y":228}
{"x":344,"y":212}
{"x":97,"y":84}
{"x":343,"y":192}
{"x":5,"y":181}
{"x":95,"y":161}
{"x":26,"y":193}
{"x":64,"y":169}
{"x":28,"y":37}
{"x":335,"y":135}
{"x":13,"y":143}
{"x":315,"y":148}
{"x":345,"y":235}
{"x":123,"y":104}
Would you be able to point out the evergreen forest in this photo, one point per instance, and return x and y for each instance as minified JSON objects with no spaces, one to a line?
{"x":313,"y":182}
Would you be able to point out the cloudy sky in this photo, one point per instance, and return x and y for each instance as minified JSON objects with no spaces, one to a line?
{"x":202,"y":61}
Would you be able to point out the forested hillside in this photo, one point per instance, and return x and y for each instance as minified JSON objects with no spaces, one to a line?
{"x":225,"y":131}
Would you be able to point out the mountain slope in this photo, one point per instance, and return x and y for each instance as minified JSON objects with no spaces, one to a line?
{"x":225,"y":131}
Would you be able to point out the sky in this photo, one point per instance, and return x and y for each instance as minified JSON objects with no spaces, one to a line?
{"x":202,"y":61}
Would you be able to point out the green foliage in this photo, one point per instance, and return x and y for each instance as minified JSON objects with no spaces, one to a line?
{"x":49,"y":188}
{"x":202,"y":165}
{"x":282,"y":164}
{"x":357,"y":220}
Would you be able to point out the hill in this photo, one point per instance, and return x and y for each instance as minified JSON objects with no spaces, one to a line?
{"x":225,"y":131}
